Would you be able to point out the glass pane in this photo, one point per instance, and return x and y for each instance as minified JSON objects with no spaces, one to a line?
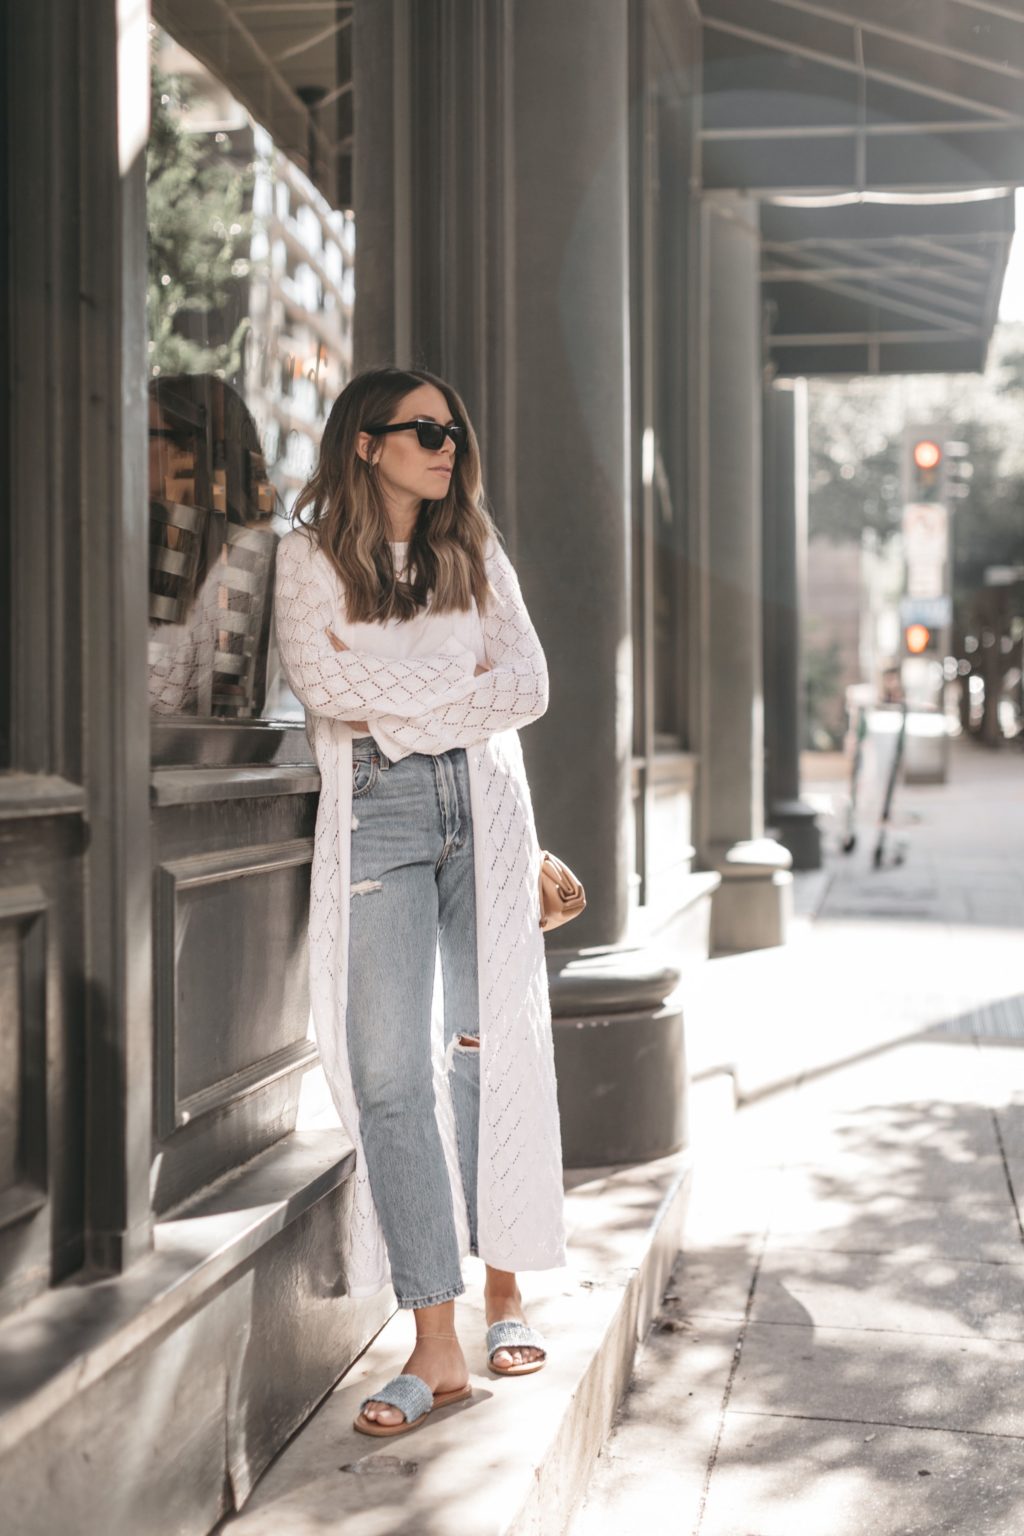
{"x":667,"y":599}
{"x":249,"y":311}
{"x":6,"y":299}
{"x":669,"y":225}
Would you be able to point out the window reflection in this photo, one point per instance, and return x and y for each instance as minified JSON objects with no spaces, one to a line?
{"x":249,"y":311}
{"x":211,"y":556}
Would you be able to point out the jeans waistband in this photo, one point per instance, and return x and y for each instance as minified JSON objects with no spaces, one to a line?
{"x":364,"y":748}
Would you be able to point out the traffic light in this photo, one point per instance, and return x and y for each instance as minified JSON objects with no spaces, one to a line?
{"x":924,"y":624}
{"x":959,"y":470}
{"x":919,"y":639}
{"x":926,"y":471}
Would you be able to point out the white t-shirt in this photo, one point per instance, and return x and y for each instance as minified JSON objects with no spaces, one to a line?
{"x":423,"y":635}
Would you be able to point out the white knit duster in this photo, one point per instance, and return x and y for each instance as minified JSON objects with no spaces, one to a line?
{"x":432,"y":704}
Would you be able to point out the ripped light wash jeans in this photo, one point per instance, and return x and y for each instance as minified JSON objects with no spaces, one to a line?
{"x":412,"y":889}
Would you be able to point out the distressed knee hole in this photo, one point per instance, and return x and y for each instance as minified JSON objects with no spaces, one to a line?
{"x":355,"y":822}
{"x":466,"y":1045}
{"x":366,"y":887}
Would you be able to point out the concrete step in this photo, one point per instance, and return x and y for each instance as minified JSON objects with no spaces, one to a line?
{"x":147,"y":1402}
{"x":514,"y":1459}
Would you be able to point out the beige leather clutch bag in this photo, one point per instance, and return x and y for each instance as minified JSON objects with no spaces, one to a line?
{"x":562,"y":897}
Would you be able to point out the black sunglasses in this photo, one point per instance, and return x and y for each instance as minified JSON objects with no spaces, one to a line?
{"x":429,"y":434}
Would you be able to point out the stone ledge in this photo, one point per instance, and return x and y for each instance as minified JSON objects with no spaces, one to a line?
{"x":642,"y":971}
{"x":39,"y":794}
{"x":619,"y":980}
{"x":199,"y":786}
{"x":755,"y":858}
{"x":68,"y":1339}
{"x":519,"y":1465}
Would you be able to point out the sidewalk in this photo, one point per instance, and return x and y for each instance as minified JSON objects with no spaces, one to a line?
{"x":840,"y":1349}
{"x":878,"y":955}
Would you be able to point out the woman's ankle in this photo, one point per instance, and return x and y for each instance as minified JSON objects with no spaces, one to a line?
{"x":444,"y":1345}
{"x":435,"y":1322}
{"x":500,"y":1282}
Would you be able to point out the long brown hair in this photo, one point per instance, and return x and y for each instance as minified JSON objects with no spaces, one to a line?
{"x":344,"y":506}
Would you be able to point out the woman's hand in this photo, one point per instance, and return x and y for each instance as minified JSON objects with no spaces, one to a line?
{"x":360,"y":727}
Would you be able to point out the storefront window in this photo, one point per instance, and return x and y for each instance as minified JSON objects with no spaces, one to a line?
{"x":6,"y":594}
{"x":661,"y":359}
{"x":670,"y":265}
{"x":249,"y":311}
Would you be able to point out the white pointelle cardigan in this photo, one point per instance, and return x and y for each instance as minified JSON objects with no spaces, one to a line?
{"x":432,"y":704}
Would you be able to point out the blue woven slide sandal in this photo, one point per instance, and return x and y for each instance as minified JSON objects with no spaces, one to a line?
{"x":509,"y":1334}
{"x":413,"y":1397}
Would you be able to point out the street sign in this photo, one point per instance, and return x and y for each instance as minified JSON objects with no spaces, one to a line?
{"x":932,"y":612}
{"x":926,"y":548}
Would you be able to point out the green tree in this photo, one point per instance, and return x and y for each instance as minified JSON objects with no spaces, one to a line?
{"x":1012,"y":382}
{"x":988,"y":523}
{"x":823,"y":702}
{"x":855,"y":436}
{"x":199,"y":231}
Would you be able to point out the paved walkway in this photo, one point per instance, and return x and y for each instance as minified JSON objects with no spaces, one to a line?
{"x":880,"y":954}
{"x":840,"y":1351}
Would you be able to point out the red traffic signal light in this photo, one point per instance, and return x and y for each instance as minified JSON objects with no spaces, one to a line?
{"x":927,"y":454}
{"x":917,"y":638}
{"x":924,"y":467}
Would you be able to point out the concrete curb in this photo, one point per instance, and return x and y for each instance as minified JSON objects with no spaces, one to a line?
{"x":560,"y":1481}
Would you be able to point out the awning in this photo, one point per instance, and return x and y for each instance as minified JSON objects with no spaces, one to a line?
{"x":881,"y":137}
{"x":289,"y":63}
{"x":892,"y":286}
{"x":829,"y":95}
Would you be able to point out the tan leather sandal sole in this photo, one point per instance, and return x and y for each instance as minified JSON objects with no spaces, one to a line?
{"x":441,"y":1400}
{"x":512,"y":1334}
{"x":525,"y":1368}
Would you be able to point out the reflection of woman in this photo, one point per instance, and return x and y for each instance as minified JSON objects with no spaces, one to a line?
{"x":211,"y":557}
{"x":402,"y":629}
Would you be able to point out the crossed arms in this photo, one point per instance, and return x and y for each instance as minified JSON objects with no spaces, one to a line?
{"x":426,"y":704}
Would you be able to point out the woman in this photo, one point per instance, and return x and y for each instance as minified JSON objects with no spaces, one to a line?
{"x":402,"y":629}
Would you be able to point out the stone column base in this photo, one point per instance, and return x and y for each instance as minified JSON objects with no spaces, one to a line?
{"x":622,"y":1087}
{"x":620,"y":1048}
{"x":753,"y":905}
{"x":795,"y":825}
{"x":620,"y":1057}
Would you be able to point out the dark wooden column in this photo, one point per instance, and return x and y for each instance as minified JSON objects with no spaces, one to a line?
{"x":504,"y":266}
{"x":114,"y":118}
{"x":492,"y":172}
{"x":750,"y":908}
{"x":785,"y":541}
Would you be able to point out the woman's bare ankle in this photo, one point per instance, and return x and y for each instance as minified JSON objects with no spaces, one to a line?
{"x":501,"y":1282}
{"x":435,"y":1322}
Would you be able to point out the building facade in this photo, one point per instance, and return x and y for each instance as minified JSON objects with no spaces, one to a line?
{"x":606,"y":224}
